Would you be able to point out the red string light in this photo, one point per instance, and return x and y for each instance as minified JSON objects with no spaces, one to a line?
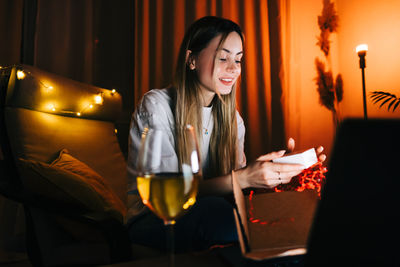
{"x":312,"y":178}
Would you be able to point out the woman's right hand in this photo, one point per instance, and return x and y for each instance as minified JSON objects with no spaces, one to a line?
{"x":263,"y":173}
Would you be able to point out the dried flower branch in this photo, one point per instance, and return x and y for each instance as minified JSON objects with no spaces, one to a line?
{"x":325,"y":85}
{"x":328,"y":20}
{"x":323,"y":42}
{"x":339,"y":88}
{"x":330,"y":91}
{"x":328,"y":23}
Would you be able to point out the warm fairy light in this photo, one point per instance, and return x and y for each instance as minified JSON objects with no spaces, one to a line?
{"x":98,"y":99}
{"x":51,"y":107}
{"x":116,"y":131}
{"x":45,"y":87}
{"x":113,"y":91}
{"x":20,"y":75}
{"x":84,"y":107}
{"x":362,"y":48}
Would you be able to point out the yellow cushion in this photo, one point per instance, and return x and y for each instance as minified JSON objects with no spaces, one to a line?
{"x":71,"y":183}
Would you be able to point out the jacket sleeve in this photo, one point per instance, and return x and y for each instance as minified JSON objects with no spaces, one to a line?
{"x":152,"y":112}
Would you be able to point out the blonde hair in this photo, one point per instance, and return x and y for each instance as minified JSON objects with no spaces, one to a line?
{"x":188,"y":102}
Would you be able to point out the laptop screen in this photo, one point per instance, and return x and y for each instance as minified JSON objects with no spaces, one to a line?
{"x":357,"y":219}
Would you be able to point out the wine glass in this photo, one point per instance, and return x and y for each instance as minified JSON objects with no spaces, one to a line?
{"x":168,"y":186}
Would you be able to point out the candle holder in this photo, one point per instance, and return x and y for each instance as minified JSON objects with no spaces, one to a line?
{"x":362,"y":52}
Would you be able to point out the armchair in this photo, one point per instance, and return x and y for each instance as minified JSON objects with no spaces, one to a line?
{"x":61,"y":159}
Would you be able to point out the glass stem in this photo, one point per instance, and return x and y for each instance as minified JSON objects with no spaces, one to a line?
{"x":170,"y":242}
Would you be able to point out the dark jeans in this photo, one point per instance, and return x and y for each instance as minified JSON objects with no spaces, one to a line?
{"x":209,"y":222}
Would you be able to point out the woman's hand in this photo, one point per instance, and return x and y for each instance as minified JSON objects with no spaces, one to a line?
{"x":263,"y":173}
{"x":321,"y":157}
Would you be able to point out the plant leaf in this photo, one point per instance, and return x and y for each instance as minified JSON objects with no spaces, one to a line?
{"x":378,"y":94}
{"x":377,"y":99}
{"x":391,"y":103}
{"x":385,"y":97}
{"x":395,"y":106}
{"x":384,"y":102}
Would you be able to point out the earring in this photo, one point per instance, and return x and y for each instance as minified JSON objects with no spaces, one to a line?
{"x":191,"y":66}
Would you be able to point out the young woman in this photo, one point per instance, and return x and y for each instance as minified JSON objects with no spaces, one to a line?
{"x":203,"y":95}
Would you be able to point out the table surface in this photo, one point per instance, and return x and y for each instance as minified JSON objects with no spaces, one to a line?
{"x":219,"y":257}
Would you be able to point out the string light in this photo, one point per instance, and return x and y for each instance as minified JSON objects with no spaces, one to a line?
{"x":50,"y":107}
{"x":20,"y":75}
{"x":312,"y":178}
{"x":98,"y":98}
{"x":49,"y":87}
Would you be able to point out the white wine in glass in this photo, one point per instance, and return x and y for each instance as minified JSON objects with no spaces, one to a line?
{"x":168,"y":195}
{"x":168,"y":189}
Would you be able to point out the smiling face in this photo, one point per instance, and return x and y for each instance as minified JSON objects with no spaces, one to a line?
{"x":218,"y":68}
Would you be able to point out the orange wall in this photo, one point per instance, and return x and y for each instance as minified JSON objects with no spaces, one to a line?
{"x":376,"y":23}
{"x":306,"y":120}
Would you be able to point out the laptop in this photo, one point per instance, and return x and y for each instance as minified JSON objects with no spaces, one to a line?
{"x":357,"y":221}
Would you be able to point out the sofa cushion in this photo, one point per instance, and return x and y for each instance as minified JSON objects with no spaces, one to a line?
{"x":72,"y":183}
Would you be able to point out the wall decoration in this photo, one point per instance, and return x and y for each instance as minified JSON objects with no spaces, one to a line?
{"x":330,"y":90}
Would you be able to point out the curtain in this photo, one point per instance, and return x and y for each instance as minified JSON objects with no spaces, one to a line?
{"x":11,"y":13}
{"x":159,"y":28}
{"x":132,"y":46}
{"x":11,"y":213}
{"x":89,"y":41}
{"x":64,"y":38}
